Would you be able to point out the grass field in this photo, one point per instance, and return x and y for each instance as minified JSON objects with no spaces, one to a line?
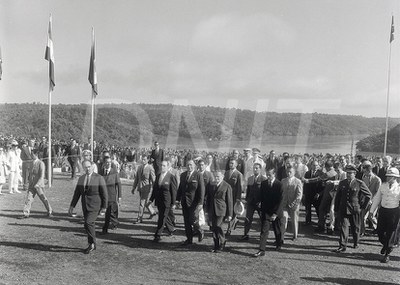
{"x":40,"y":250}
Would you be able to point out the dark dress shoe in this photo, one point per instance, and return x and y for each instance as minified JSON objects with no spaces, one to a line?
{"x":276,"y":243}
{"x":104,"y":232}
{"x":22,"y":217}
{"x":152,"y":216}
{"x":186,"y":242}
{"x":244,"y":237}
{"x":90,"y":248}
{"x":356,"y":246}
{"x":383,"y":250}
{"x":385,"y":259}
{"x":201,"y":236}
{"x":259,"y":253}
{"x":340,"y":249}
{"x":157,"y":239}
{"x":278,"y":248}
{"x":216,"y":250}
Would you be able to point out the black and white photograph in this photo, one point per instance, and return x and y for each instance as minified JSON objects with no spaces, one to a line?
{"x":200,"y":142}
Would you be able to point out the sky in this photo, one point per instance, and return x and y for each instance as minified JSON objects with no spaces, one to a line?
{"x":282,"y":56}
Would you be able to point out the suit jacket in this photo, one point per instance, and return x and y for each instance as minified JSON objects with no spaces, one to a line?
{"x":208,"y":178}
{"x":191,"y":189}
{"x":219,"y":200}
{"x":36,"y":175}
{"x":239,"y":167}
{"x":113,"y":183}
{"x":382,"y":174}
{"x":145,"y":177}
{"x":46,"y":155}
{"x":292,"y":189}
{"x":281,"y":173}
{"x":74,"y":153}
{"x":271,"y":197}
{"x":164,"y":192}
{"x":236,"y":182}
{"x":373,"y":183}
{"x":351,"y":197}
{"x":157,"y":159}
{"x":26,"y":154}
{"x":313,"y":186}
{"x":94,"y":197}
{"x":253,"y":191}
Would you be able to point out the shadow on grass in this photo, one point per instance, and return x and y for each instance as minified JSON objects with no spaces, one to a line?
{"x":40,"y":247}
{"x":346,"y":281}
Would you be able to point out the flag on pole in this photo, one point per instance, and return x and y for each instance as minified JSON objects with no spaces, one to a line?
{"x":49,"y":56}
{"x":392,"y":31}
{"x":92,"y":67}
{"x":1,"y":61}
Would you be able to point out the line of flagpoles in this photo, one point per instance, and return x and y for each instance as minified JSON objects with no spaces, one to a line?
{"x":49,"y":56}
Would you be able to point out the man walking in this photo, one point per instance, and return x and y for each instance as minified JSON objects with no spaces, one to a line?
{"x":191,"y":193}
{"x":93,"y":190}
{"x":352,"y":196}
{"x":36,"y":186}
{"x":113,"y":183}
{"x":27,"y":162}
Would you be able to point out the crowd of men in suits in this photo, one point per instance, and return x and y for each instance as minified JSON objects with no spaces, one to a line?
{"x":344,"y":193}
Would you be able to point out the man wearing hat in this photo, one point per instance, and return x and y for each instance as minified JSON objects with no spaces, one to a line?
{"x":352,"y":196}
{"x":387,"y":198}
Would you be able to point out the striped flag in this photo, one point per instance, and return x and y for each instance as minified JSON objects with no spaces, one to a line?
{"x":92,"y":67}
{"x":49,"y":56}
{"x":1,"y":62}
{"x":392,"y":31}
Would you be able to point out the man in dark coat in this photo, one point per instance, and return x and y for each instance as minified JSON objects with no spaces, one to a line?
{"x":235,"y":179}
{"x":164,"y":195}
{"x":312,"y":190}
{"x":191,"y":193}
{"x":352,"y":196}
{"x":92,"y":187}
{"x":219,"y":208}
{"x":27,"y":162}
{"x":271,"y":199}
{"x":156,"y":157}
{"x":113,"y":183}
{"x":73,"y":153}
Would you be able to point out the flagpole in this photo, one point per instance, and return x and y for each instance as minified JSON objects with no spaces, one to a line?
{"x":49,"y":158}
{"x":92,"y":125}
{"x":388,"y":88}
{"x":93,"y":81}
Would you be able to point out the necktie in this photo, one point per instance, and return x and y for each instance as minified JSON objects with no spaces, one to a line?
{"x":188,"y":176}
{"x":87,"y":182}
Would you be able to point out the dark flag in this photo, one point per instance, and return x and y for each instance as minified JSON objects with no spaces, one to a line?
{"x":392,"y":31}
{"x":49,"y":56}
{"x":92,"y":68}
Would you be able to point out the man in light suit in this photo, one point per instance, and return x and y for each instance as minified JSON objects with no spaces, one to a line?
{"x":36,"y":186}
{"x":27,"y":162}
{"x":145,"y":177}
{"x":164,"y":196}
{"x":113,"y":183}
{"x":92,"y":187}
{"x":352,"y":196}
{"x":271,"y":199}
{"x":191,"y":193}
{"x":219,"y":208}
{"x":373,"y":183}
{"x":253,"y":198}
{"x":292,"y":191}
{"x":235,"y":179}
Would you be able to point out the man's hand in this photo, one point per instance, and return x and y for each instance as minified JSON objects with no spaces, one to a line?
{"x":102,"y":212}
{"x":273,"y":217}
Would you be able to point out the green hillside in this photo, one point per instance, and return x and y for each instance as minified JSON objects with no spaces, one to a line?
{"x":375,"y":143}
{"x":128,"y":123}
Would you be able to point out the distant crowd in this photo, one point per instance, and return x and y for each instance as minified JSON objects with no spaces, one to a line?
{"x":212,"y":187}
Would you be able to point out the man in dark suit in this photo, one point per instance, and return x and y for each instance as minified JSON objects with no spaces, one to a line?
{"x":219,"y":207}
{"x":27,"y":162}
{"x":74,"y":154}
{"x":282,"y":169}
{"x":46,"y":160}
{"x":113,"y":183}
{"x":156,"y":157}
{"x":164,"y":196}
{"x":92,"y":187}
{"x":208,"y":178}
{"x":253,"y":198}
{"x":352,"y":196}
{"x":272,"y":161}
{"x":312,"y":190}
{"x":191,"y":195}
{"x":235,"y":179}
{"x":239,"y":161}
{"x":271,"y":199}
